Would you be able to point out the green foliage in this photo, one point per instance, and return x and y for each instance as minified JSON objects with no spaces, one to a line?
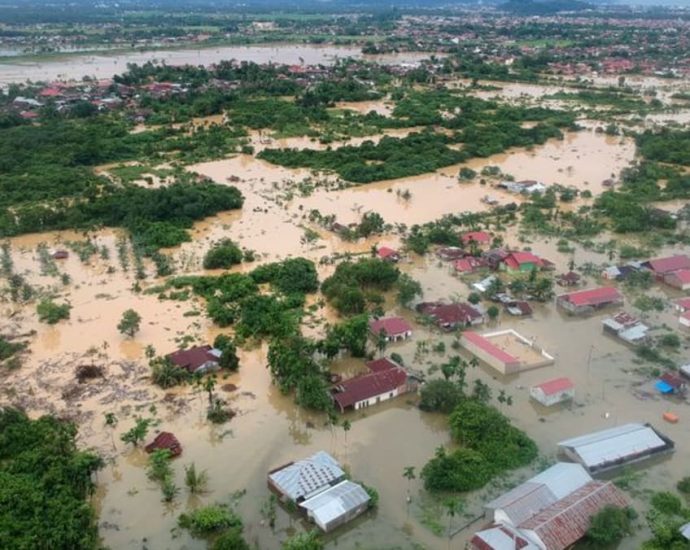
{"x":228,"y":359}
{"x":684,"y":485}
{"x":350,"y":335}
{"x":649,"y":303}
{"x":610,"y":525}
{"x":345,"y":289}
{"x":166,"y":374}
{"x":130,"y":322}
{"x":665,"y":518}
{"x":667,"y":503}
{"x":52,"y":313}
{"x":490,"y":445}
{"x":440,"y":396}
{"x":294,"y":275}
{"x":390,"y":158}
{"x":669,"y":340}
{"x":667,"y":145}
{"x":293,"y":368}
{"x":137,"y":433}
{"x":467,"y":174}
{"x":308,"y":540}
{"x":41,"y":469}
{"x":9,"y":348}
{"x":230,"y":540}
{"x":210,"y":519}
{"x":159,"y":464}
{"x":461,"y":470}
{"x":408,"y":289}
{"x":224,"y":254}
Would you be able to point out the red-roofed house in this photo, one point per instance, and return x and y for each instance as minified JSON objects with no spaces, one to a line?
{"x":684,"y":320}
{"x":469,"y":264}
{"x":394,"y":328}
{"x":387,"y":254}
{"x":451,"y":316}
{"x":682,"y":304}
{"x":565,"y":522}
{"x":663,"y":266}
{"x":385,"y":380}
{"x":196,"y":359}
{"x":479,"y":238}
{"x":52,"y":91}
{"x":553,"y":392}
{"x":678,"y":279}
{"x":165,"y":440}
{"x":587,"y":301}
{"x":522,"y":261}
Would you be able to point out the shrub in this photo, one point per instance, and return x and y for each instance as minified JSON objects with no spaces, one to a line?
{"x":439,"y":396}
{"x":52,"y":313}
{"x":230,"y":540}
{"x":209,"y":519}
{"x":684,"y":485}
{"x":224,"y":254}
{"x":166,"y":374}
{"x":610,"y":525}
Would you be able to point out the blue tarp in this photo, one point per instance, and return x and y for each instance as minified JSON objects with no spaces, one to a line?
{"x":663,"y":387}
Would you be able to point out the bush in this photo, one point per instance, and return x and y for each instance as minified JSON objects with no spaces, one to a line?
{"x":223,"y":255}
{"x":294,"y":275}
{"x":166,"y":374}
{"x":439,"y":396}
{"x":684,"y":485}
{"x":610,"y":525}
{"x":209,"y":519}
{"x":304,"y":541}
{"x":667,"y":503}
{"x":231,"y":540}
{"x":51,"y":313}
{"x":461,"y":470}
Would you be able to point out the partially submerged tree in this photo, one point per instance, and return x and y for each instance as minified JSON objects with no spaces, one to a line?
{"x":129,"y":323}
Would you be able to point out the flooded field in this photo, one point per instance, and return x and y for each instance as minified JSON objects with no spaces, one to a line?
{"x":269,"y":429}
{"x":103,"y":65}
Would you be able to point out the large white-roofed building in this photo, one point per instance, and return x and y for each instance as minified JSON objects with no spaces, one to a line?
{"x":337,"y":505}
{"x":614,"y":447}
{"x":320,"y":489}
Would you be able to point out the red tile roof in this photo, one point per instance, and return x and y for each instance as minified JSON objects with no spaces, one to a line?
{"x":479,"y":237}
{"x":556,"y":385}
{"x":450,"y":314}
{"x":671,"y":263}
{"x":193,"y":358}
{"x":567,"y":521}
{"x":485,"y":345}
{"x":367,"y":386}
{"x":682,"y":276}
{"x":593,"y":296}
{"x":515,"y":259}
{"x":385,"y":252}
{"x":469,"y":264}
{"x":165,"y":440}
{"x":378,"y":365}
{"x":391,"y":326}
{"x":683,"y":303}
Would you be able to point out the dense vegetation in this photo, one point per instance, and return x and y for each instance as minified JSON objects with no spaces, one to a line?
{"x":354,"y":285}
{"x":41,"y":470}
{"x":489,"y":445}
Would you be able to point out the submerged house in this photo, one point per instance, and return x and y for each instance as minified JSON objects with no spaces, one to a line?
{"x":393,"y":328}
{"x":669,"y":383}
{"x":663,"y":267}
{"x":587,"y":301}
{"x":321,"y":490}
{"x":387,"y":254}
{"x":451,"y":316}
{"x":550,"y":511}
{"x":553,"y":392}
{"x":626,"y":327}
{"x":614,"y":447}
{"x":522,"y":261}
{"x":385,"y":380}
{"x":201,"y":359}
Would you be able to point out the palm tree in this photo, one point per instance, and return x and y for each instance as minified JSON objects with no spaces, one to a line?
{"x":346,"y":428}
{"x":381,"y":342}
{"x":111,"y":421}
{"x":453,"y":508}
{"x":209,"y":386}
{"x":409,"y":475}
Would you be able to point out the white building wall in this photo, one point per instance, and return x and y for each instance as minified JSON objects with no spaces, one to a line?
{"x":377,"y":399}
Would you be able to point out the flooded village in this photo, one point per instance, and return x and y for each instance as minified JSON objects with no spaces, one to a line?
{"x":438,"y":256}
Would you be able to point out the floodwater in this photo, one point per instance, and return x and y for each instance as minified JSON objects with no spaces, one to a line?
{"x":103,"y":65}
{"x":269,"y":429}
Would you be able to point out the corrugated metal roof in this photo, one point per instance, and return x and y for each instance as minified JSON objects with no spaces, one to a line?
{"x":544,"y":489}
{"x":523,"y":502}
{"x":567,"y":521}
{"x":501,"y":537}
{"x":304,"y":477}
{"x":336,"y":502}
{"x":563,"y":478}
{"x":614,"y":444}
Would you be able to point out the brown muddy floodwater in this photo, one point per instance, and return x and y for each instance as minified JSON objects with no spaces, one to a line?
{"x":103,"y":65}
{"x":269,"y":429}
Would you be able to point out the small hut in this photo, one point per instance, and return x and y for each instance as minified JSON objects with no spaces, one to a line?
{"x":165,"y":440}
